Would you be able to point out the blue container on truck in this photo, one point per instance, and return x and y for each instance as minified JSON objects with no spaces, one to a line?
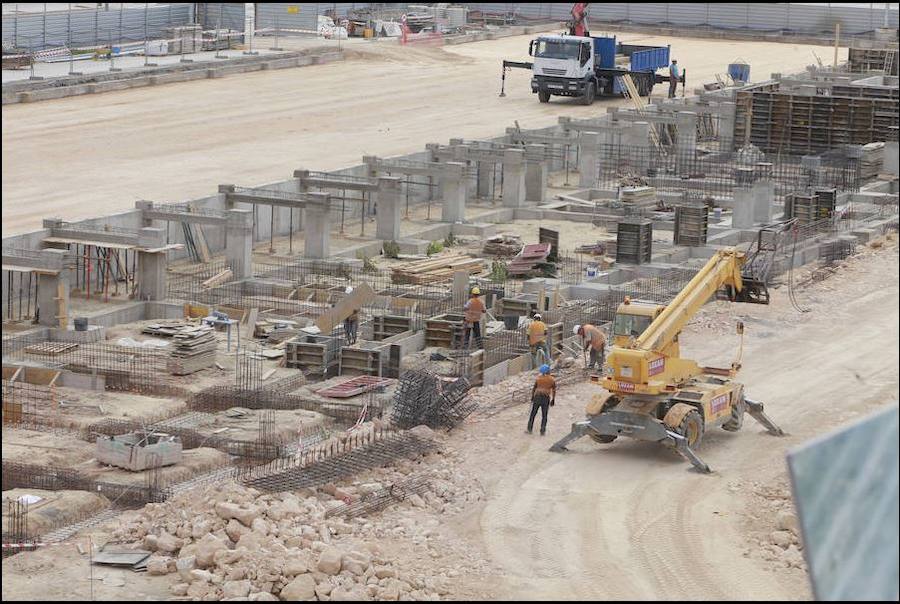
{"x":739,"y":72}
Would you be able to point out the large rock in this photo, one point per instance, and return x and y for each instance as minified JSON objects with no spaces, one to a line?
{"x":351,"y":594}
{"x":781,"y":538}
{"x":356,"y":562}
{"x":262,"y":596}
{"x":168,"y":544}
{"x":302,"y":587}
{"x":260,"y":526}
{"x":235,"y":589}
{"x":787,"y":521}
{"x":158,"y":565}
{"x":330,"y":561}
{"x":294,"y":567}
{"x":184,"y":566}
{"x":243,"y":514}
{"x":207,"y":548}
{"x":235,"y":529}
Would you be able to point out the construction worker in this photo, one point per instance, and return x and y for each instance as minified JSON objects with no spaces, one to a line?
{"x":537,"y":340}
{"x":543,"y":396}
{"x":594,"y":340}
{"x":351,"y":323}
{"x":472,"y":311}
{"x":674,"y":76}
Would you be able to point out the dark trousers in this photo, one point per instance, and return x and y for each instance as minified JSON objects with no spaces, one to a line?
{"x":473,"y":327}
{"x":350,"y":330}
{"x":597,"y":356}
{"x":673,"y":84}
{"x":542,"y":402}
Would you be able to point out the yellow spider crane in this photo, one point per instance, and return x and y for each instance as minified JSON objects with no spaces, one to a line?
{"x":654,"y":394}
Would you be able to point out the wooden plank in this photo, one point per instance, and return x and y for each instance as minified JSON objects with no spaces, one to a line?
{"x":218,"y":279}
{"x":250,"y":326}
{"x":362,"y":295}
{"x":200,"y":240}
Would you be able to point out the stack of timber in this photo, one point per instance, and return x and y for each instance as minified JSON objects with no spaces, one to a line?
{"x":167,"y":329}
{"x":639,"y":196}
{"x":504,"y":244}
{"x":532,"y":259}
{"x":435,"y":270}
{"x":872,"y":161}
{"x":195,"y":349}
{"x":275,"y":330}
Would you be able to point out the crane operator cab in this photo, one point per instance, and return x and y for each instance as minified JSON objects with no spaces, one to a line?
{"x":632,"y":318}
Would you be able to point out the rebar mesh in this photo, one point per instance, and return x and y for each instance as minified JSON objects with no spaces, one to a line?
{"x":423,"y":398}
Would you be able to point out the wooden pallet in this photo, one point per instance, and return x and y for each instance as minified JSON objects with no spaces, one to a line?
{"x":50,"y":348}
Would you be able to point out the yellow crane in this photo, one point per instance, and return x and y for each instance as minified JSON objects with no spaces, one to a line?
{"x":651,"y":392}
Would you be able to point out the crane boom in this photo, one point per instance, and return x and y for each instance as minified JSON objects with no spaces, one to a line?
{"x":651,"y":363}
{"x":722,"y":269}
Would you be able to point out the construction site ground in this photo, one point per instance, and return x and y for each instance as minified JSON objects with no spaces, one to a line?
{"x":179,"y":141}
{"x":628,"y":520}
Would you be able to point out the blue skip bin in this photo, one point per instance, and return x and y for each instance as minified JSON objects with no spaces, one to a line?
{"x":739,"y":72}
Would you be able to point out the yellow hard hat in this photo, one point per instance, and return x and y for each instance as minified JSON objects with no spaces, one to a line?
{"x":476,"y":291}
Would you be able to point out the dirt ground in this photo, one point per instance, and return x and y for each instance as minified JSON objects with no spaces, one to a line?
{"x":179,"y":141}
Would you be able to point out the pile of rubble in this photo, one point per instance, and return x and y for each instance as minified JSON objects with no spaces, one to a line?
{"x":235,"y":542}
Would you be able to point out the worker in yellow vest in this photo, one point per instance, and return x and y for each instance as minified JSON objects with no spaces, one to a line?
{"x":537,"y":341}
{"x":473,"y":309}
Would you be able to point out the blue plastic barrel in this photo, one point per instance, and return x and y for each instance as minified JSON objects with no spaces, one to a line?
{"x":739,"y":72}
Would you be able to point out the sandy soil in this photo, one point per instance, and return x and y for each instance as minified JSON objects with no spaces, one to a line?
{"x":177,"y":142}
{"x":629,"y":520}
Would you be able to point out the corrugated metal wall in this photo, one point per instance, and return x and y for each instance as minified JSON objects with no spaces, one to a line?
{"x":85,"y":27}
{"x":801,"y":18}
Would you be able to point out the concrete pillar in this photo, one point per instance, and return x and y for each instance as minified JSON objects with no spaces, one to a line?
{"x":742,"y":215}
{"x":891,"y":158}
{"x":536,"y":173}
{"x":387,"y":225}
{"x":152,"y":266}
{"x":485,"y":187}
{"x":763,"y":201}
{"x":239,"y":243}
{"x":686,"y":139}
{"x":588,"y":161}
{"x":513,"y":178}
{"x":317,"y":233}
{"x":53,"y":290}
{"x":453,"y":185}
{"x":727,"y":117}
{"x":638,"y":136}
{"x":147,"y":222}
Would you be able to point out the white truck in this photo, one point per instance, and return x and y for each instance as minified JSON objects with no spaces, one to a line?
{"x":586,"y":67}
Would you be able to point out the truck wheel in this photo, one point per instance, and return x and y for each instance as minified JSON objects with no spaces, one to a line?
{"x":691,"y":428}
{"x":544,"y":96}
{"x":737,"y":416}
{"x":589,"y":93}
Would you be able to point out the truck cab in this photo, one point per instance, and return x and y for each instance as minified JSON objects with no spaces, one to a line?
{"x":563,"y":66}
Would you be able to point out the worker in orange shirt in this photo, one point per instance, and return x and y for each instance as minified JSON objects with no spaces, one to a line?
{"x":537,"y":340}
{"x":543,"y":396}
{"x":472,"y":312}
{"x":594,"y":340}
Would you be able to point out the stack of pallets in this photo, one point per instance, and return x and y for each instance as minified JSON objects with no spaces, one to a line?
{"x":435,"y":270}
{"x":530,"y":259}
{"x":639,"y":196}
{"x":195,"y":349}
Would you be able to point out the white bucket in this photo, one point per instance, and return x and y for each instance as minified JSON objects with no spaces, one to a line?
{"x":717,"y":213}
